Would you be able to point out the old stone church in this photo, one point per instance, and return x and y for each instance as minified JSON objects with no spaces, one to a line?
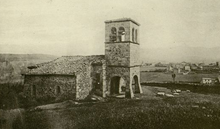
{"x":115,"y":73}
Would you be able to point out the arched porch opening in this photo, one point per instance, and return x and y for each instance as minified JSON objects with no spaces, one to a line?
{"x":117,"y":85}
{"x":135,"y":84}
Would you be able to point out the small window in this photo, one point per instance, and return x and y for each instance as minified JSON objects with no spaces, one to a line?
{"x":58,"y":90}
{"x":34,"y":90}
{"x":136,"y":35}
{"x":133,"y":34}
{"x":97,"y":81}
{"x":113,"y":35}
{"x":121,"y":34}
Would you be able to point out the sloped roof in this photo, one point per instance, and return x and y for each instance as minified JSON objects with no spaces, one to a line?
{"x":66,"y":65}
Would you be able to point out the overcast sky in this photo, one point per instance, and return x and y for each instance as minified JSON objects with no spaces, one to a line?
{"x":76,"y":27}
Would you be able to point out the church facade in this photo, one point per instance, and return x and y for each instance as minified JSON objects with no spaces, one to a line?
{"x":115,"y":73}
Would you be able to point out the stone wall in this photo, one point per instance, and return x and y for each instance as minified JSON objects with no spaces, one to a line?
{"x":134,"y":54}
{"x":80,"y":66}
{"x":117,"y":54}
{"x":47,"y":85}
{"x":83,"y":80}
{"x":122,"y":54}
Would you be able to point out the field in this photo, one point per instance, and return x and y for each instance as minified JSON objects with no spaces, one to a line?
{"x":187,"y":110}
{"x":166,"y":77}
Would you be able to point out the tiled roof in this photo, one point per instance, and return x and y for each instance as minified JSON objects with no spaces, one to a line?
{"x":66,"y":65}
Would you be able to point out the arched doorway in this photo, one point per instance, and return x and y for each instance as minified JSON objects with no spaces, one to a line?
{"x":135,"y":84}
{"x":115,"y":81}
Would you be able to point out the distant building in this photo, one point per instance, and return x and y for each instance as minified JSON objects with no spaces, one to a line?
{"x":194,"y":67}
{"x":187,"y":68}
{"x":210,"y":68}
{"x":184,"y":63}
{"x":179,"y":66}
{"x":209,"y":81}
{"x":176,"y":70}
{"x":169,"y":68}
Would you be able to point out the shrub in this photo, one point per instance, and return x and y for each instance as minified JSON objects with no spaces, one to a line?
{"x":9,"y":95}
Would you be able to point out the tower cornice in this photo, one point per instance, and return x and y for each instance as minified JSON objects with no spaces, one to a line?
{"x":122,"y":20}
{"x":122,"y":42}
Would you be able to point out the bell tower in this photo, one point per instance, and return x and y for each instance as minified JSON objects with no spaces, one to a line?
{"x":122,"y":57}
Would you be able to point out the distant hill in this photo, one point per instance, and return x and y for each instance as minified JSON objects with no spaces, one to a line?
{"x":25,"y":57}
{"x":179,"y":54}
{"x":12,"y":65}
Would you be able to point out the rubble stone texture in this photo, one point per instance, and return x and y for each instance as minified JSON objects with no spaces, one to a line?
{"x":47,"y":85}
{"x":80,"y":76}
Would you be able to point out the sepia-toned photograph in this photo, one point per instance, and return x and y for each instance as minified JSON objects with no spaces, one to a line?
{"x":100,"y":64}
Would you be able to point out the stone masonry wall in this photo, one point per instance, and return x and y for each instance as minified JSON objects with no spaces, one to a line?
{"x":117,"y":54}
{"x":83,"y":81}
{"x":80,"y":66}
{"x":47,"y":85}
{"x":134,"y":54}
{"x":84,"y":78}
{"x":122,"y":54}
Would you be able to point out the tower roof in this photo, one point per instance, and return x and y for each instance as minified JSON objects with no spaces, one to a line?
{"x":122,"y":20}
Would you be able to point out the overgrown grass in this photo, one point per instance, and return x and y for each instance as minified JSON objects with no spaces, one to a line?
{"x":191,"y":111}
{"x":11,"y":97}
{"x":188,"y":110}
